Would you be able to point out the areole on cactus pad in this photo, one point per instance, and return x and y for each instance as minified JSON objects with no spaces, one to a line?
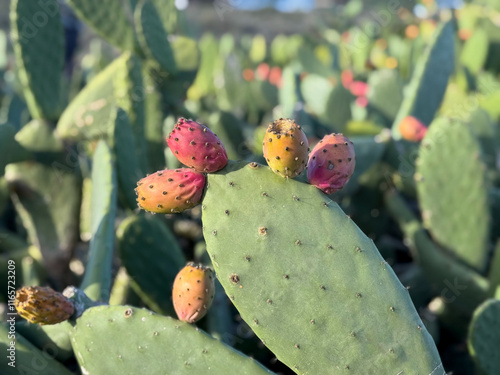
{"x":196,"y":146}
{"x":170,"y":190}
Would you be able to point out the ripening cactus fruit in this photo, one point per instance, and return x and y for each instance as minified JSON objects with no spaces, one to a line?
{"x":196,"y":146}
{"x":170,"y":190}
{"x":412,"y":129}
{"x":285,"y":148}
{"x":331,"y":163}
{"x":193,"y":292}
{"x":43,"y":305}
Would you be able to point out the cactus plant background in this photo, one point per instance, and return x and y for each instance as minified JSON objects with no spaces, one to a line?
{"x":396,"y":270}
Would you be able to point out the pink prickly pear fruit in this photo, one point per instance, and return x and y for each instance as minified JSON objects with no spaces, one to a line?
{"x":196,"y":146}
{"x":43,"y":305}
{"x":285,"y":148}
{"x":331,"y":163}
{"x":193,"y":292}
{"x":359,"y":88}
{"x":412,"y":129}
{"x":170,"y":191}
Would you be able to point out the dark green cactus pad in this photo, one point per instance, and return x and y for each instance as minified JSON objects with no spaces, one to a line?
{"x":12,"y":151}
{"x":130,"y":95}
{"x":452,"y":191}
{"x":28,"y":359}
{"x":153,"y":37}
{"x":230,"y":131}
{"x":494,"y":274}
{"x":152,"y":257}
{"x":308,"y":282}
{"x":161,"y":344}
{"x":484,"y":336}
{"x":425,"y":92}
{"x":97,"y":279}
{"x":107,"y":18}
{"x":128,"y":166}
{"x":49,"y":215}
{"x":38,"y":38}
{"x":53,"y":339}
{"x":87,"y":116}
{"x":385,"y":92}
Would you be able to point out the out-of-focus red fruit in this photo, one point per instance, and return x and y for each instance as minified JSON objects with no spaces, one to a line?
{"x":359,"y":88}
{"x":263,"y":71}
{"x":347,"y":77}
{"x":275,"y":76}
{"x":362,"y":101}
{"x":248,"y":75}
{"x":412,"y":129}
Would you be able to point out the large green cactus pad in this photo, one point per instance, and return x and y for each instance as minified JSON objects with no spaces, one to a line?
{"x":161,"y":344}
{"x":309,"y":283}
{"x":452,"y":191}
{"x":425,"y":92}
{"x":38,"y":38}
{"x":108,"y":19}
{"x":484,"y":336}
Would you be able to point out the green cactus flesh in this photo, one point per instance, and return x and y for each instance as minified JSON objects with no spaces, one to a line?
{"x":309,"y":283}
{"x":108,"y":19}
{"x":152,"y":258}
{"x":452,"y":191}
{"x":426,"y":90}
{"x":484,"y":336}
{"x":160,"y":344}
{"x":153,"y":37}
{"x":38,"y":37}
{"x":97,"y":280}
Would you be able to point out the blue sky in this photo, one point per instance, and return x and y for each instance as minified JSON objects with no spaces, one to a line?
{"x":281,"y":5}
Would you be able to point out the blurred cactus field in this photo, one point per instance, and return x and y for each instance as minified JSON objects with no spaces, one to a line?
{"x":194,"y":188}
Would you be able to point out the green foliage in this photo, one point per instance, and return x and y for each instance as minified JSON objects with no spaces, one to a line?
{"x":164,"y":343}
{"x":38,"y":38}
{"x":280,"y":262}
{"x":452,"y":191}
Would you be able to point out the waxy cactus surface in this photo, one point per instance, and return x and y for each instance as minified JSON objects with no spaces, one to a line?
{"x":285,"y":148}
{"x":170,"y":191}
{"x":331,"y":163}
{"x":196,"y":146}
{"x":193,"y":292}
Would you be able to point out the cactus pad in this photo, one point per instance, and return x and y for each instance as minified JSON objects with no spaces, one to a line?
{"x":309,"y":283}
{"x":451,"y":186}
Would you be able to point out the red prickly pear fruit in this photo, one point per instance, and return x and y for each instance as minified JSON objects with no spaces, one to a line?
{"x":170,"y":191}
{"x":193,"y":292}
{"x":412,"y":129}
{"x":263,"y":71}
{"x":285,"y":148}
{"x":358,"y":88}
{"x":43,"y":305}
{"x":331,"y":163}
{"x":196,"y":146}
{"x":347,"y":77}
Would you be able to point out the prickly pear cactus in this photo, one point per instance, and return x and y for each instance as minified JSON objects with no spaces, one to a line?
{"x":484,"y":336}
{"x":452,"y":191}
{"x":288,"y":246}
{"x":38,"y":38}
{"x":163,"y":344}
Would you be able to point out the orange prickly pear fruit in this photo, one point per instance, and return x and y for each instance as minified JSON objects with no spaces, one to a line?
{"x":43,"y":305}
{"x":285,"y":148}
{"x":193,"y":292}
{"x":412,"y":129}
{"x":170,"y":191}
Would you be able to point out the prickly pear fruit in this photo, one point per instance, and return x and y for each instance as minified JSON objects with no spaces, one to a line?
{"x":193,"y":292}
{"x":331,"y":163}
{"x":285,"y":148}
{"x":170,"y":190}
{"x":412,"y":129}
{"x":197,"y":146}
{"x":43,"y":305}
